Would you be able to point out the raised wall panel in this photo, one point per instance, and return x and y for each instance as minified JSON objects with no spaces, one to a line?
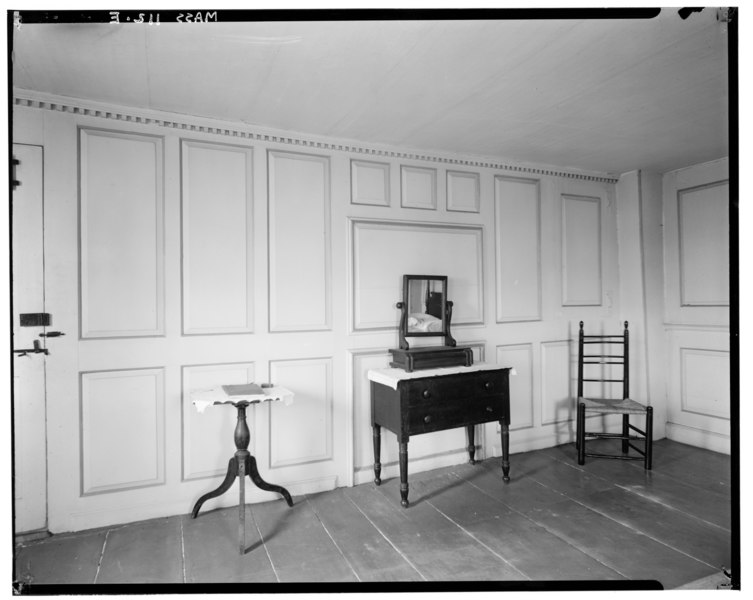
{"x":122,"y":234}
{"x":363,"y":455}
{"x":463,"y":191}
{"x":518,"y":249}
{"x":207,"y":436}
{"x":299,"y":242}
{"x":383,"y":251}
{"x":302,"y":432}
{"x":122,"y":430}
{"x":418,"y":187}
{"x":581,"y":251}
{"x":217,"y":241}
{"x":369,"y":183}
{"x":705,"y":387}
{"x":557,"y":403}
{"x":520,"y":358}
{"x":703,"y":214}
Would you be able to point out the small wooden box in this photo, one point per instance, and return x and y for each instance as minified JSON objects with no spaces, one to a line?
{"x":431,"y":358}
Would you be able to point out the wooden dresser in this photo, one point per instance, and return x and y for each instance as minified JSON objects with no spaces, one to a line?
{"x":437,"y":399}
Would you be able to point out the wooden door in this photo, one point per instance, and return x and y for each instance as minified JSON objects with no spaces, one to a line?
{"x":30,"y":473}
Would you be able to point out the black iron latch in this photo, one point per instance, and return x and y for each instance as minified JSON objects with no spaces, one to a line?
{"x":37,"y":349}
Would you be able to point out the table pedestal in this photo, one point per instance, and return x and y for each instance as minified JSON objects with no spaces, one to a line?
{"x":241,"y":464}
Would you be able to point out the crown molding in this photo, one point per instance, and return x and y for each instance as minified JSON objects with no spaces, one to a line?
{"x":87,"y":108}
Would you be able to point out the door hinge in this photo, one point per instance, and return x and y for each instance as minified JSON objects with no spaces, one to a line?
{"x":14,"y":163}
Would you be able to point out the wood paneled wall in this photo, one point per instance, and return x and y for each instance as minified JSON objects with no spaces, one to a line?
{"x":240,"y":255}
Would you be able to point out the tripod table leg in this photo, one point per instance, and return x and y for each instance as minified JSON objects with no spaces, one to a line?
{"x":253,"y":473}
{"x":232,"y":473}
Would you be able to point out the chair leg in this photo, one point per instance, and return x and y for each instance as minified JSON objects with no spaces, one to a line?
{"x":580,"y":433}
{"x":625,"y":433}
{"x":649,"y":437}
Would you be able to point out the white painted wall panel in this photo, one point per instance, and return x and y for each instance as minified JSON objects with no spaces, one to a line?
{"x":383,"y":251}
{"x":122,"y":234}
{"x":463,"y":191}
{"x":699,"y":393}
{"x":217,"y":243}
{"x":418,"y":187}
{"x":122,"y":430}
{"x":557,"y":403}
{"x":299,"y":242}
{"x":705,"y":382}
{"x":363,"y":455}
{"x":581,"y":251}
{"x":520,"y":358}
{"x":207,"y":437}
{"x":302,"y":432}
{"x":369,"y":183}
{"x":703,"y":214}
{"x":518,"y":249}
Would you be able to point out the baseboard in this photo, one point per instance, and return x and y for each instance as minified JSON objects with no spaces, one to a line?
{"x":31,"y":536}
{"x":700,"y":438}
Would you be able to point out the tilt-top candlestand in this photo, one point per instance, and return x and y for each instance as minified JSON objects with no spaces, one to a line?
{"x":242,"y":463}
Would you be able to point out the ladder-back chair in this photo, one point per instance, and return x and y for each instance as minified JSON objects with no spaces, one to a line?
{"x":596,"y":366}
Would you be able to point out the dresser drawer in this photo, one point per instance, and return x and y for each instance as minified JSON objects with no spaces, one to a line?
{"x":456,"y":412}
{"x":428,"y":392}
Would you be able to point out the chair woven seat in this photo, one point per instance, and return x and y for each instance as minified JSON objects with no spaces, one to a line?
{"x":617,"y":407}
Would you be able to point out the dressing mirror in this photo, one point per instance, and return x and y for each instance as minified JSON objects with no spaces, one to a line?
{"x":425,"y":305}
{"x":425,"y":311}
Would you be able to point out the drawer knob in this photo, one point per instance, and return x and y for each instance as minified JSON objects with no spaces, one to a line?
{"x":489,"y":409}
{"x":488,"y":385}
{"x":427,"y":419}
{"x":426,"y":394}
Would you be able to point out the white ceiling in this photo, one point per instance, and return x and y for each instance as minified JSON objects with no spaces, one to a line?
{"x":598,"y":95}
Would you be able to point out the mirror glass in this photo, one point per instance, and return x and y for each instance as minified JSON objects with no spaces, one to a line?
{"x":425,"y":303}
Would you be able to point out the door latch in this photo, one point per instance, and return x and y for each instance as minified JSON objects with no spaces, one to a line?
{"x":37,"y":349}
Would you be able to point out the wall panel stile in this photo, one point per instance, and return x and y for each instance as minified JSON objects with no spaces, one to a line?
{"x":217,"y":238}
{"x":299,"y":242}
{"x":121,"y":211}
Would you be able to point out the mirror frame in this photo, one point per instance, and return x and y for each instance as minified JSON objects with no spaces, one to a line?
{"x":446,"y":312}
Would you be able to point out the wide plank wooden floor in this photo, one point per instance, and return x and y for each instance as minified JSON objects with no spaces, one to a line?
{"x":606,"y":525}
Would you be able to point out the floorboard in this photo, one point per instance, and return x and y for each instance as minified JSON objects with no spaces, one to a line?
{"x":369,"y":552}
{"x":436,"y":547}
{"x":529,"y":548}
{"x":212,"y":554}
{"x":605,"y":522}
{"x":72,"y":559}
{"x":144,"y":553}
{"x":299,"y":548}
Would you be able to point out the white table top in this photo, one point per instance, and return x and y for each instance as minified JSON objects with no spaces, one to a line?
{"x":392,"y":376}
{"x":217,"y":395}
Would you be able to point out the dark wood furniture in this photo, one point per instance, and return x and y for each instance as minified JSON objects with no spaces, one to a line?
{"x":411,"y":404}
{"x":607,"y":353}
{"x":241,"y":464}
{"x":425,"y":311}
